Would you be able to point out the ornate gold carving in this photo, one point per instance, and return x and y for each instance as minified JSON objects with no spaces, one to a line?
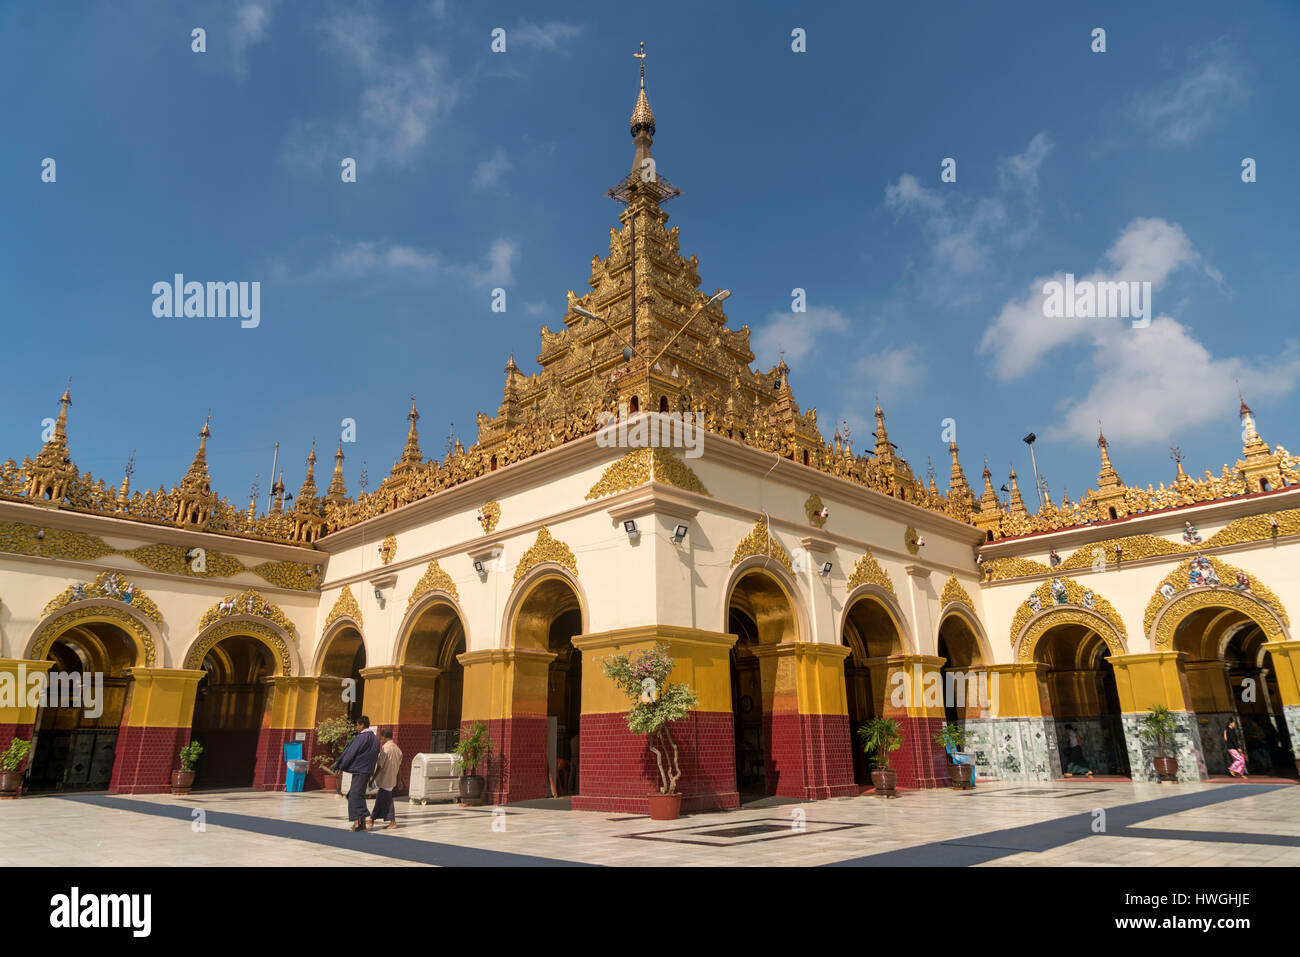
{"x":912,"y":540}
{"x":814,"y":508}
{"x":999,"y":569}
{"x":345,"y":606}
{"x":954,"y":592}
{"x":435,"y":579}
{"x":1077,"y":597}
{"x":388,"y":549}
{"x":762,"y":543}
{"x":59,"y":543}
{"x":1177,"y":584}
{"x":546,"y":549}
{"x":118,"y":616}
{"x":234,"y":629}
{"x":489,"y":515}
{"x":868,"y":572}
{"x":1176,"y":611}
{"x":247,"y":602}
{"x":645,"y":465}
{"x":1059,"y":615}
{"x":107,"y":585}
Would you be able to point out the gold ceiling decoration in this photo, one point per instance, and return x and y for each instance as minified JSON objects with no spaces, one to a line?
{"x":546,"y":549}
{"x":489,"y":515}
{"x":813,"y":509}
{"x":110,"y":585}
{"x":762,"y":543}
{"x":345,"y":607}
{"x":239,"y":629}
{"x":1066,"y":594}
{"x":23,"y":539}
{"x":646,"y":465}
{"x":247,"y":602}
{"x":868,"y":572}
{"x":433,"y":579}
{"x":1192,"y":576}
{"x":954,"y":592}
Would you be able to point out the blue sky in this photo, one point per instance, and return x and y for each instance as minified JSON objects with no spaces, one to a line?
{"x":818,"y":170}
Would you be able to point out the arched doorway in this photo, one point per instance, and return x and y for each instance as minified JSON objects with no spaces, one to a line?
{"x":435,"y":639}
{"x":1230,"y":675}
{"x":1083,"y":698}
{"x":964,"y":682}
{"x":549,"y":616}
{"x":761,"y":615}
{"x":229,"y":706}
{"x":344,"y":657}
{"x":76,"y":742}
{"x":872,"y":636}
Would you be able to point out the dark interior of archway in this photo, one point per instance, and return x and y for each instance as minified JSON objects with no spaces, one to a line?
{"x":1269,"y":748}
{"x":1083,"y":696}
{"x":960,"y":649}
{"x":437,"y":637}
{"x":564,"y":695}
{"x":75,"y":743}
{"x":872,"y":636}
{"x":228,"y":709}
{"x":345,"y":658}
{"x":747,"y":705}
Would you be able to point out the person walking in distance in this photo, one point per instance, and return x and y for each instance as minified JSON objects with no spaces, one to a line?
{"x":385,"y":778}
{"x":358,"y":759}
{"x":1233,"y":741}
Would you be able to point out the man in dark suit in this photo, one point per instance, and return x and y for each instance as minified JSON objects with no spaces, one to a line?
{"x":358,"y":759}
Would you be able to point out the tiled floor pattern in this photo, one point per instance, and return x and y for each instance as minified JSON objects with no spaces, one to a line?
{"x":996,"y":824}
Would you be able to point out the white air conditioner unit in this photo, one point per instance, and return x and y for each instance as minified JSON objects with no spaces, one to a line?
{"x":347,"y":784}
{"x":434,"y":778}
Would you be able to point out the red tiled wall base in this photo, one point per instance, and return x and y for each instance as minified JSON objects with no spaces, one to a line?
{"x":268,"y":774}
{"x":146,"y":758}
{"x":516,"y":768}
{"x":10,"y":731}
{"x":411,"y":739}
{"x":920,"y":762}
{"x":617,"y":772}
{"x":808,"y":756}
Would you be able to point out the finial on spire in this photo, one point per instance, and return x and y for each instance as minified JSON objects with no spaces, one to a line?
{"x":643,"y":119}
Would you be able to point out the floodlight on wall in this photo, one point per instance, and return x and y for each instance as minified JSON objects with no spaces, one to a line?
{"x":679,"y":534}
{"x":629,"y":526}
{"x":826,"y":569}
{"x":379,"y":597}
{"x":479,"y":567}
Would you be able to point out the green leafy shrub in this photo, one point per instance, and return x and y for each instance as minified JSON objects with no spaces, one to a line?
{"x":879,"y":737}
{"x":334,"y":734}
{"x":1158,"y":726}
{"x":190,"y":755}
{"x":472,"y":749}
{"x":14,"y":754}
{"x":643,"y":677}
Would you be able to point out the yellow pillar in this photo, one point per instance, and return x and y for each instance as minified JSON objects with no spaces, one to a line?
{"x":21,"y":680}
{"x":1209,"y":690}
{"x":161,"y":697}
{"x":1019,"y":690}
{"x":1286,"y":666}
{"x":701,"y":659}
{"x":1150,"y":678}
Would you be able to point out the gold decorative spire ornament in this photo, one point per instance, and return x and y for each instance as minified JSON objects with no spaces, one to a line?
{"x":337,"y":492}
{"x":411,"y":457}
{"x":643,"y":117}
{"x":1260,"y":465}
{"x":52,"y":473}
{"x":959,"y":490}
{"x":195,"y":499}
{"x":1111,"y":497}
{"x":124,"y":490}
{"x":308,"y":522}
{"x":1017,"y":504}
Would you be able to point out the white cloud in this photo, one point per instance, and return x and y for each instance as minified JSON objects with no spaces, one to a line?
{"x":490,"y":171}
{"x":798,"y":333}
{"x":1182,"y":111}
{"x":550,"y":37}
{"x":366,"y":258}
{"x":252,"y":25}
{"x":1148,"y":384}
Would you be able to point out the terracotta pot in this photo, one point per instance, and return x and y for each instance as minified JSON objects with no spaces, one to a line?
{"x":11,"y":783}
{"x":472,"y":789}
{"x":1166,"y":769}
{"x":665,"y":807}
{"x":182,"y":781}
{"x":885,"y":781}
{"x":334,"y":782}
{"x":963,"y":776}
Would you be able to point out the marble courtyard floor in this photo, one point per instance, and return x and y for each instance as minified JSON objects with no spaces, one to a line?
{"x":997,"y":824}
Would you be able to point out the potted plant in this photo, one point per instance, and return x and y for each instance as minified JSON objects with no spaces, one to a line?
{"x":334,"y":734}
{"x":11,"y":779}
{"x":643,"y":677}
{"x":1159,"y":726}
{"x":472,"y":750}
{"x":954,"y":736}
{"x":183,"y":779}
{"x":879,"y":737}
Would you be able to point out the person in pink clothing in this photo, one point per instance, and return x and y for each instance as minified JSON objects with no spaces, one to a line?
{"x":1236,"y":750}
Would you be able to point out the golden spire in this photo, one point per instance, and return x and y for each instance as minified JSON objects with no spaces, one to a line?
{"x":124,"y":490}
{"x":337,"y":491}
{"x":958,"y":488}
{"x":411,"y":457}
{"x":1107,"y":477}
{"x":52,"y":471}
{"x":277,"y":495}
{"x":195,"y":498}
{"x":642,"y":116}
{"x":307,"y":492}
{"x":1261,"y":469}
{"x":884,"y":448}
{"x":1017,"y":504}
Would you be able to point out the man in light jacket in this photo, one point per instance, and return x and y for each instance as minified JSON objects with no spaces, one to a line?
{"x":385,"y":778}
{"x":358,"y":759}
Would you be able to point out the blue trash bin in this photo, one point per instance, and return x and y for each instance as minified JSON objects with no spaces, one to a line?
{"x":295,"y":768}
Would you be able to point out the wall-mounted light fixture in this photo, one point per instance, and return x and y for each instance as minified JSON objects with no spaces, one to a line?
{"x":629,"y":526}
{"x":679,"y":534}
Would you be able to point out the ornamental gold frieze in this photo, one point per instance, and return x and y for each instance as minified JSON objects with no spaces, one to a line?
{"x":240,"y":629}
{"x":954,"y":592}
{"x":645,"y":465}
{"x":1205,"y":575}
{"x":546,"y":549}
{"x":1055,"y":617}
{"x":1065,"y":594}
{"x":95,"y":613}
{"x":434,"y":579}
{"x":1000,"y":569}
{"x":170,"y":559}
{"x":111,"y":585}
{"x":344,"y":607}
{"x":867,"y":571}
{"x":1175,"y":612}
{"x":248,"y":602}
{"x":762,"y":543}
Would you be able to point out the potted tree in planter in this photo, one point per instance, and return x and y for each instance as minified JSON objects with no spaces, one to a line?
{"x":183,"y":779}
{"x":11,"y":779}
{"x":334,"y":734}
{"x":643,"y":677}
{"x":1159,"y":727}
{"x":954,"y":736}
{"x":880,"y":736}
{"x":472,"y":750}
